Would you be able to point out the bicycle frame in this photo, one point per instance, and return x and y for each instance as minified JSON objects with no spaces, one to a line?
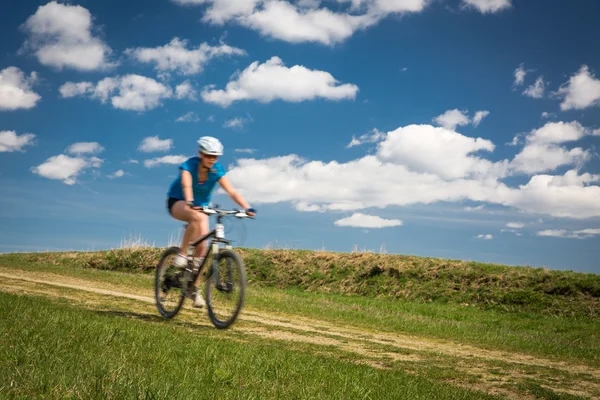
{"x":213,"y":248}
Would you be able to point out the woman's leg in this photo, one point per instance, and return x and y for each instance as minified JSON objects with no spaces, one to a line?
{"x":197,"y":226}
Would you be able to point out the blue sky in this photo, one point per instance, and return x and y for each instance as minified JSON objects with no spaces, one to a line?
{"x":463,"y":129}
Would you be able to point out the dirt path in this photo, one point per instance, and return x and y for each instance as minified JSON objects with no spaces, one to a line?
{"x":380,"y":350}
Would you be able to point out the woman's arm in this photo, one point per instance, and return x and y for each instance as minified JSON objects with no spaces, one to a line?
{"x":186,"y":185}
{"x":235,"y":196}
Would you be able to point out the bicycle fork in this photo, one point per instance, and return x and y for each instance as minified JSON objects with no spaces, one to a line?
{"x":228,"y":286}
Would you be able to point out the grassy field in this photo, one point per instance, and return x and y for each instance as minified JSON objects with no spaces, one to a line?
{"x":316,"y":325}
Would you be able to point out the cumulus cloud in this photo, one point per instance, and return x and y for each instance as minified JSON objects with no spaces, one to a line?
{"x":536,"y":90}
{"x":176,"y":57}
{"x":486,"y":236}
{"x":566,"y":196}
{"x":358,"y":220}
{"x":15,"y":89}
{"x":576,"y":234}
{"x":543,"y":150}
{"x":487,"y":6}
{"x":170,"y":160}
{"x":453,"y":118}
{"x":581,"y":91}
{"x":65,"y":168}
{"x":304,"y":21}
{"x":418,"y":164}
{"x":129,"y":92}
{"x":515,"y":225}
{"x":188,"y":117}
{"x":185,"y":90}
{"x":153,"y":143}
{"x":440,"y":151}
{"x":60,"y":35}
{"x":273,"y":80}
{"x":10,"y":141}
{"x":85,"y":148}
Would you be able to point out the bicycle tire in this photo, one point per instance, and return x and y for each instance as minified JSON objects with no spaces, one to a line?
{"x":158,"y":285}
{"x":211,"y":287}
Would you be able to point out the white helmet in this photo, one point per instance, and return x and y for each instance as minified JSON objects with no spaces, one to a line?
{"x":210,"y":145}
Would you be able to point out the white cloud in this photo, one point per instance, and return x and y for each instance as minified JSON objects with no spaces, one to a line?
{"x":439,"y":151}
{"x":130,"y":92}
{"x":65,"y":168}
{"x":237,"y":122}
{"x":72,"y":89}
{"x":373,"y":137}
{"x":15,"y":89}
{"x":211,"y":118}
{"x":486,"y":236}
{"x":488,"y":6}
{"x":131,"y":161}
{"x":417,"y":164}
{"x":10,"y":141}
{"x":221,"y":11}
{"x":581,"y":91}
{"x":185,"y":90}
{"x":477,"y":208}
{"x":536,"y":90}
{"x":85,"y":148}
{"x":170,"y":160}
{"x":153,"y":143}
{"x":542,"y":151}
{"x":303,"y":21}
{"x":520,"y":74}
{"x":479,"y":116}
{"x":547,"y":115}
{"x":515,"y":225}
{"x":282,"y":20}
{"x":60,"y":35}
{"x":563,"y":233}
{"x":176,"y":57}
{"x":273,"y":80}
{"x":452,"y":118}
{"x":362,"y":183}
{"x":188,"y":117}
{"x":359,"y":220}
{"x":249,"y":151}
{"x":117,"y":174}
{"x":566,"y":196}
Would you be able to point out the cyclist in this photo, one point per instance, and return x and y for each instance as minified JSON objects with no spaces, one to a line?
{"x":190,"y":191}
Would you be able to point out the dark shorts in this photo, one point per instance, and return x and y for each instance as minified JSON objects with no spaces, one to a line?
{"x":170,"y":202}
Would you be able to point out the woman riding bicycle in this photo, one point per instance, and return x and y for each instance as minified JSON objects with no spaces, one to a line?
{"x":190,"y":191}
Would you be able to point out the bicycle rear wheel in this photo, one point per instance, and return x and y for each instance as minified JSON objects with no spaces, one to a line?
{"x":169,"y":284}
{"x":225,"y":291}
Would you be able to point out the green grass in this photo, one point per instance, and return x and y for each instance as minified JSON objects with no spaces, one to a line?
{"x":576,"y":339}
{"x":49,"y":348}
{"x":419,"y":279}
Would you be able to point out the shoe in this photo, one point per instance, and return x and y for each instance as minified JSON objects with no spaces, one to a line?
{"x":180,"y":261}
{"x":197,"y":300}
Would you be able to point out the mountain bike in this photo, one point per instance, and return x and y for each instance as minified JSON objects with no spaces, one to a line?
{"x":225,"y":286}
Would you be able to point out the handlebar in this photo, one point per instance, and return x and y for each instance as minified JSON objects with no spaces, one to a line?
{"x":221,"y":212}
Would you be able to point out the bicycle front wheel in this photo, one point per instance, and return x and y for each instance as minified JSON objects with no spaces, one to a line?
{"x":226,"y":289}
{"x":169,"y":284}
